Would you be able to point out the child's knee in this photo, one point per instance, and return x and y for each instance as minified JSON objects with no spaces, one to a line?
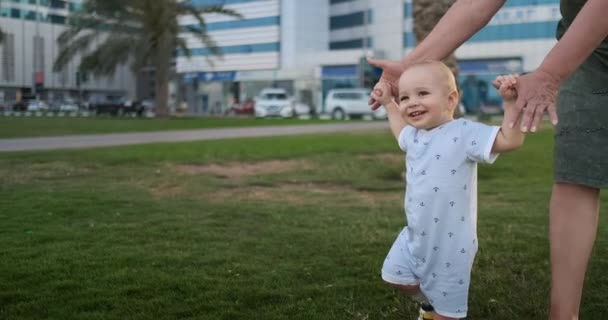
{"x":406,"y":289}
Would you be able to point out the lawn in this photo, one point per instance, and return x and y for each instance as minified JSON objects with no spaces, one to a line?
{"x":264,"y":228}
{"x":39,"y":127}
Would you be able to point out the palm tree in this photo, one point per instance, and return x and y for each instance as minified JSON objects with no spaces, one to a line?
{"x":140,"y":32}
{"x":426,"y":14}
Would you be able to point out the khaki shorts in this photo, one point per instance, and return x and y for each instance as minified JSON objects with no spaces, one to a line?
{"x":581,"y":136}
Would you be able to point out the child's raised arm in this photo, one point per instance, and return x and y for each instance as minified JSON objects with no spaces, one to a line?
{"x":382,"y":94}
{"x":509,"y":138}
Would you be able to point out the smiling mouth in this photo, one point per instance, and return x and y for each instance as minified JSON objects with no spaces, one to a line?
{"x":416,"y":114}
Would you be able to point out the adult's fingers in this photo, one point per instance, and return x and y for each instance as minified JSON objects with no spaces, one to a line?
{"x":514,"y":116}
{"x":376,"y":94}
{"x":378,"y":63}
{"x":538,"y":116}
{"x":496,"y":84}
{"x":553,"y":114}
{"x":527,"y":116}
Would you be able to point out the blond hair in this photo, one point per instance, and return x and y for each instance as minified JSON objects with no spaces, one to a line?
{"x":447,"y":74}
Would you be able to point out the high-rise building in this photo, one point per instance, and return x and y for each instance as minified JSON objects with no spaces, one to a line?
{"x":29,"y":49}
{"x":309,"y":47}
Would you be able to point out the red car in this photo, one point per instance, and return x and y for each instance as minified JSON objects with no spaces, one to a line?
{"x":244,"y":108}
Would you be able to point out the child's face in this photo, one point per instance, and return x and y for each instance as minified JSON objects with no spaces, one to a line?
{"x":425,"y":97}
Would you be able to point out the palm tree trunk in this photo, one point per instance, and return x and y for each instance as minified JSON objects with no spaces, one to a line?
{"x":426,"y":15}
{"x":163,"y":59}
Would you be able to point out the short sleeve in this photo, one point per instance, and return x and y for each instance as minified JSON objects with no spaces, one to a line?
{"x":404,"y":136}
{"x":479,"y":139}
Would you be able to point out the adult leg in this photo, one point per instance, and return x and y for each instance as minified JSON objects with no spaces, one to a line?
{"x":574,"y":218}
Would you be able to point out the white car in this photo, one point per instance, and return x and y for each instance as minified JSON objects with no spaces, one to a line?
{"x":34,"y":106}
{"x":274,"y":102}
{"x":68,"y":106}
{"x":343,"y":103}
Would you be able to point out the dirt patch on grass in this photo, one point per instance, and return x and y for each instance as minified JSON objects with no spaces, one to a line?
{"x":384,"y":157}
{"x":298,"y":194}
{"x":242,"y":169}
{"x":20,"y":174}
{"x":165,"y":191}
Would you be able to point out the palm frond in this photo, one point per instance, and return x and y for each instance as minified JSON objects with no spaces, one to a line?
{"x":114,"y":51}
{"x":70,"y":48}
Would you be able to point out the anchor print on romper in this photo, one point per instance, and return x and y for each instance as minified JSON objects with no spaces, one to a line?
{"x":422,"y":204}
{"x":436,"y":189}
{"x":462,"y":250}
{"x":437,"y":156}
{"x":445,"y":294}
{"x":423,"y":172}
{"x":464,"y":123}
{"x":461,"y":282}
{"x":434,"y":275}
{"x":447,"y":264}
{"x":451,"y":234}
{"x":462,"y":218}
{"x":453,"y":171}
{"x":435,"y":248}
{"x":452,"y":203}
{"x":473,"y":143}
{"x":465,"y":187}
{"x":455,"y":139}
{"x":415,"y":140}
{"x":436,"y":220}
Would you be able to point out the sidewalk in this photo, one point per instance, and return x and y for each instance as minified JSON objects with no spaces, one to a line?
{"x":119,"y":139}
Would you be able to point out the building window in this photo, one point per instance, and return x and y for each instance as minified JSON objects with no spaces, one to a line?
{"x":15,"y":13}
{"x":38,"y":53}
{"x":350,"y":44}
{"x":30,"y":15}
{"x":347,"y":20}
{"x":56,"y":19}
{"x":8,"y":57}
{"x":57,"y":4}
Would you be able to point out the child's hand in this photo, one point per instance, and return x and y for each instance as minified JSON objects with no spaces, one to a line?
{"x":382,"y":93}
{"x":507,"y":87}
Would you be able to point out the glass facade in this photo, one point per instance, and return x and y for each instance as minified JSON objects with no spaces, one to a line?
{"x":26,"y":9}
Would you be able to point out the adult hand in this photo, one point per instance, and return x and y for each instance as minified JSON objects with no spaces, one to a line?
{"x":536,"y":95}
{"x":391,"y":71}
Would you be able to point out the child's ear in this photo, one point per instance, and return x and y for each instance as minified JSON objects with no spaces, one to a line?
{"x":453,"y":99}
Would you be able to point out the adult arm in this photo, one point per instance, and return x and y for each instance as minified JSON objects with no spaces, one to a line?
{"x":537,"y":90}
{"x":460,"y":22}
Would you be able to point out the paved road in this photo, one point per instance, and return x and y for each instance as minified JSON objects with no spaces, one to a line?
{"x":117,"y":139}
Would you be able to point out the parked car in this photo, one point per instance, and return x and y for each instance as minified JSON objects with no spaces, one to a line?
{"x":115,"y":105}
{"x":68,"y":106}
{"x":37,"y":105}
{"x":274,"y":102}
{"x":343,"y":103}
{"x":246,"y":107}
{"x":20,"y":105}
{"x":301,"y":109}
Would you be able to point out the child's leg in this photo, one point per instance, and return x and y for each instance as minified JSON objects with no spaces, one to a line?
{"x":412,"y":291}
{"x":574,"y":219}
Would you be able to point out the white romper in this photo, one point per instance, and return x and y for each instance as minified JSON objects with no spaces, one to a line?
{"x":437,"y":247}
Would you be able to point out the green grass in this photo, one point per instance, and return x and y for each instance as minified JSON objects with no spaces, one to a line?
{"x":34,"y":127}
{"x":264,"y":228}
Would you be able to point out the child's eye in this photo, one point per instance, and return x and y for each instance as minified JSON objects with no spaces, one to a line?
{"x":404,"y":98}
{"x":423,"y":93}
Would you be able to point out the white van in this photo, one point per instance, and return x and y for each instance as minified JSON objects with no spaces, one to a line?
{"x":343,"y":103}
